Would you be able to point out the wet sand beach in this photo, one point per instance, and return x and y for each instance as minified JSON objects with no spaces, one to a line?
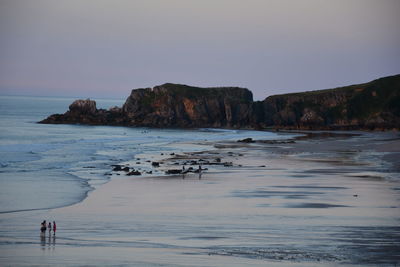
{"x":320,"y":200}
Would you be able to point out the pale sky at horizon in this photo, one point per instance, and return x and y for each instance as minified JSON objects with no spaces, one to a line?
{"x":97,"y":48}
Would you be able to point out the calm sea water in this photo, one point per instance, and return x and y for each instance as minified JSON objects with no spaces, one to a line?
{"x":48,"y":166}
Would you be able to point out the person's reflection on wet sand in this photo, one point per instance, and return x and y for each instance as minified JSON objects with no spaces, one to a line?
{"x":51,"y":242}
{"x":42,"y":240}
{"x":54,"y":241}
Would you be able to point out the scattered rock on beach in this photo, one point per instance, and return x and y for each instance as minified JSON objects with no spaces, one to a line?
{"x":134,"y":172}
{"x":277,"y":142}
{"x":117,"y":168}
{"x":155,"y":164}
{"x":173,"y":171}
{"x":247,"y":140}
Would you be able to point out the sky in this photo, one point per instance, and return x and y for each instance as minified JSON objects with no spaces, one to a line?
{"x":104,"y":49}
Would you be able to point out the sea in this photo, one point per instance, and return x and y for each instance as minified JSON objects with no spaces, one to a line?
{"x":321,"y":202}
{"x":50,"y":166}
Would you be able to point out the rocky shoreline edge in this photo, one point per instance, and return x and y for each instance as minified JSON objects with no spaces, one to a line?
{"x":222,"y":156}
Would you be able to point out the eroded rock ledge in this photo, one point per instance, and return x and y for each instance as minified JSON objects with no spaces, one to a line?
{"x":373,"y":105}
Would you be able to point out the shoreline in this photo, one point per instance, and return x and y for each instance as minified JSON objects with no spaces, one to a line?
{"x":318,"y":201}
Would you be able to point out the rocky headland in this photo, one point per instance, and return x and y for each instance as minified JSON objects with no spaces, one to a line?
{"x":370,"y":106}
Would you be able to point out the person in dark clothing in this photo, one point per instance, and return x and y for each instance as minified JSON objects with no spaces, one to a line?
{"x":43,"y":227}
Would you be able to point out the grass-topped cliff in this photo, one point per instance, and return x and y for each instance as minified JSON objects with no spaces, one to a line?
{"x":372,"y":105}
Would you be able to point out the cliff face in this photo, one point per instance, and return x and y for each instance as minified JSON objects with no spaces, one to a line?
{"x":373,"y":105}
{"x":173,"y":105}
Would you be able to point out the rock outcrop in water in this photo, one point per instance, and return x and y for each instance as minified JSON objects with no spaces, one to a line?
{"x":85,"y":112}
{"x":373,"y":105}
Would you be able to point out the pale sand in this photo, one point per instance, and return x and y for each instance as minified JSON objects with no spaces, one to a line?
{"x":315,"y":202}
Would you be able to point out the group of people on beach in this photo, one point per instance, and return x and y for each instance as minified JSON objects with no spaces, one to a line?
{"x":52,"y":227}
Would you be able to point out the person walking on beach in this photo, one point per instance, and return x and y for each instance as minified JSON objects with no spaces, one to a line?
{"x":54,"y":228}
{"x":200,"y":172}
{"x":49,"y":226}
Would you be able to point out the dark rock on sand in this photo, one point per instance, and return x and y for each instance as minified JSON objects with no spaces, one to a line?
{"x":134,"y":172}
{"x":155,"y":164}
{"x":247,"y":140}
{"x":117,"y":168}
{"x":277,"y":142}
{"x":173,"y":171}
